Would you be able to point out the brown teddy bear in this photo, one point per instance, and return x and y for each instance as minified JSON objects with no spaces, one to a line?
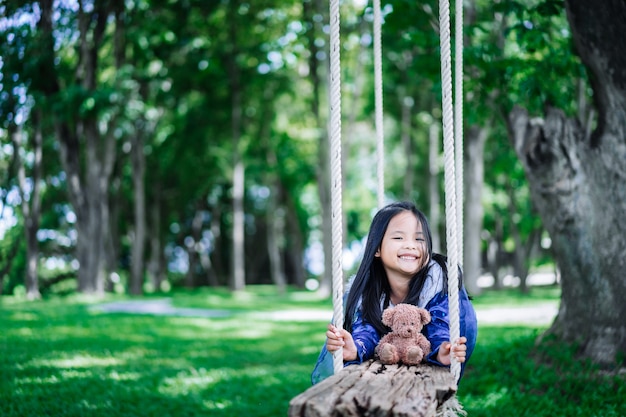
{"x":405,"y":343}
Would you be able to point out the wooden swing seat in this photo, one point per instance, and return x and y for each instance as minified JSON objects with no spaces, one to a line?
{"x":376,"y":390}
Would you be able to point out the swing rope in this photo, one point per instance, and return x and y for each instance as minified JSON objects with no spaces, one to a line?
{"x":378,"y":96}
{"x":452,"y":160}
{"x":450,"y":180}
{"x":458,"y":119}
{"x":336,"y":175}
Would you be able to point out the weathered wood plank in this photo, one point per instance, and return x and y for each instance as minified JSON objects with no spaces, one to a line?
{"x":375,"y":390}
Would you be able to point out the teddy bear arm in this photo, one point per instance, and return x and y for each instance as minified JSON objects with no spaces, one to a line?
{"x":385,"y":340}
{"x":424,"y":343}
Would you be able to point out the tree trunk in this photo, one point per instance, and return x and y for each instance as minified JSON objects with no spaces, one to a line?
{"x":473,"y":221}
{"x":112,"y":239}
{"x":156,"y":263}
{"x":578,"y":185}
{"x":323,"y":186}
{"x":275,"y":237}
{"x":494,"y":253}
{"x":408,"y":184}
{"x":473,"y":175}
{"x":580,"y":193}
{"x":238,"y":271}
{"x":31,"y":202}
{"x":523,"y":250}
{"x":88,"y":189}
{"x":323,"y":156}
{"x":7,"y":261}
{"x":192,"y":246}
{"x":139,"y":237}
{"x":275,"y":219}
{"x":216,"y":232}
{"x":295,"y":246}
{"x":434,"y":162}
{"x":275,"y":213}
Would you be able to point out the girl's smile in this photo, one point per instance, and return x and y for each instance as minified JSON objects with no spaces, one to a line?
{"x":403,"y":247}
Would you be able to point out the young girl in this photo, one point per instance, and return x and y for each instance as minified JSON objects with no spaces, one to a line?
{"x":398,"y":266}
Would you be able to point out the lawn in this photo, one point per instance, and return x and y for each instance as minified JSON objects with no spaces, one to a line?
{"x":69,"y":357}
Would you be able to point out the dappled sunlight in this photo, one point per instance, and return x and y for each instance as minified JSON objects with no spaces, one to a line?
{"x":24,"y":316}
{"x":67,"y":375}
{"x":24,"y":332}
{"x":87,"y":405}
{"x":124,"y":376}
{"x":192,"y":381}
{"x":75,"y":362}
{"x":228,"y":389}
{"x":196,"y":381}
{"x":248,"y":331}
{"x":310,"y":350}
{"x":48,"y":380}
{"x":215,"y":405}
{"x":489,"y":400}
{"x":94,"y":331}
{"x":248,"y":364}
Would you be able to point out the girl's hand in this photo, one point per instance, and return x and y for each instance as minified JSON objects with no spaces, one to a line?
{"x":340,"y":338}
{"x":459,"y":351}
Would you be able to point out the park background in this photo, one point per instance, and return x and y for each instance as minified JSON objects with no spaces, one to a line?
{"x":177,"y":152}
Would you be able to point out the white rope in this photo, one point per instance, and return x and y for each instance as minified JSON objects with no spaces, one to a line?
{"x":450,"y":179}
{"x":335,"y":172}
{"x":378,"y":90}
{"x":458,"y":119}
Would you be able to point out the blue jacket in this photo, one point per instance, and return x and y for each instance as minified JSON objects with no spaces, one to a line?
{"x":437,"y":331}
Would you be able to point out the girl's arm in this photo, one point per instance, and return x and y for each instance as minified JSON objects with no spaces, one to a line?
{"x":438,"y":331}
{"x":337,"y":338}
{"x":358,"y":346}
{"x":459,"y":351}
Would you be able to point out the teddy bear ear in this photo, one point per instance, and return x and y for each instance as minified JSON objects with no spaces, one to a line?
{"x":425,"y":316}
{"x":388,"y":316}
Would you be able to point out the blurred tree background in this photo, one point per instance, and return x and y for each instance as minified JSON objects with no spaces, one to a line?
{"x":152,"y":144}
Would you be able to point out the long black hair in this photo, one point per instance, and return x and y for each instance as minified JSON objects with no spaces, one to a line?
{"x":370,"y":285}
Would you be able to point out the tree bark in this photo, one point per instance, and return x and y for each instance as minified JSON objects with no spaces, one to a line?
{"x":473,"y":222}
{"x":275,"y":237}
{"x":275,"y":219}
{"x":434,"y":162}
{"x":31,"y":201}
{"x":82,"y":145}
{"x":523,"y":250}
{"x":156,"y":263}
{"x":295,"y":246}
{"x":310,"y":9}
{"x":193,"y":247}
{"x":408,"y":184}
{"x":475,"y":137}
{"x":494,"y":253}
{"x":238,"y":271}
{"x":578,"y":185}
{"x":580,"y":193}
{"x":139,"y":239}
{"x":216,"y":253}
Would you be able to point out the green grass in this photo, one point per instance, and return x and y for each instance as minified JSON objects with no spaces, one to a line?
{"x":62,"y":357}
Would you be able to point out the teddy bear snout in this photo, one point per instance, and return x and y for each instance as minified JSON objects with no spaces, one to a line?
{"x":408,"y":332}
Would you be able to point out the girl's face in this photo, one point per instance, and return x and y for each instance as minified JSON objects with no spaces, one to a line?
{"x":403,"y":250}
